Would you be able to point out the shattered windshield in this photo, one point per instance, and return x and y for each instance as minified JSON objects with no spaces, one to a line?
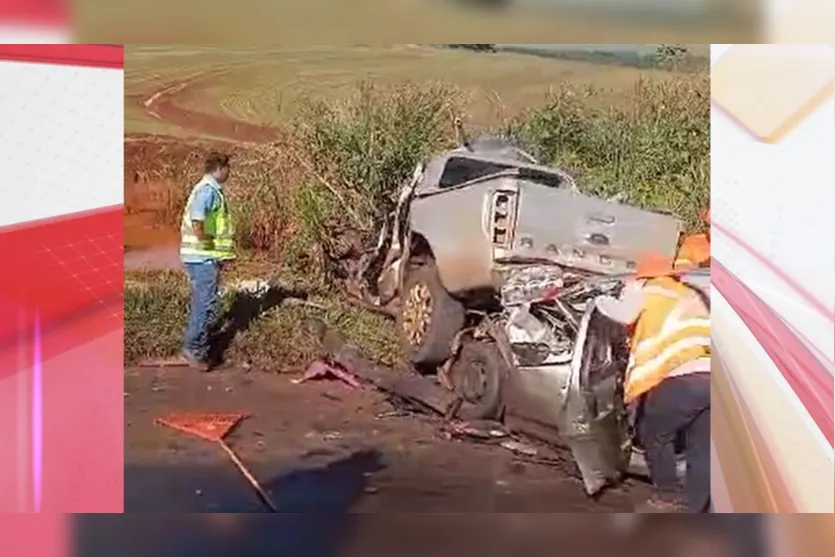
{"x":460,"y":170}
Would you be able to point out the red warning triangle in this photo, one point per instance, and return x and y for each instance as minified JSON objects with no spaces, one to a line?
{"x":211,"y":427}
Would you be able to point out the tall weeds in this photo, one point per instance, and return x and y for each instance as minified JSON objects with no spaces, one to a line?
{"x":368,"y":146}
{"x":655,"y":153}
{"x":342,"y":167}
{"x":344,"y":163}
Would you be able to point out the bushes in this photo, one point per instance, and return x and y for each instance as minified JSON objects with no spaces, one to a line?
{"x":345,"y":163}
{"x":370,"y":145}
{"x":655,"y":153}
{"x":343,"y":166}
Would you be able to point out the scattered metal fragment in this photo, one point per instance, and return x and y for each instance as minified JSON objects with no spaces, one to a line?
{"x":519,"y":448}
{"x":321,"y":369}
{"x":332,"y":436}
{"x":392,"y":414}
{"x":478,"y":430}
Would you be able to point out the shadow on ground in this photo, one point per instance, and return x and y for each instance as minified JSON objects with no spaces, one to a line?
{"x":314,"y":504}
{"x":246,"y":308}
{"x":333,"y":488}
{"x":330,"y":488}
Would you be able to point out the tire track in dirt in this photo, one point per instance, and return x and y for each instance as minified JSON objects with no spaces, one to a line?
{"x":158,"y":248}
{"x":163,"y":105}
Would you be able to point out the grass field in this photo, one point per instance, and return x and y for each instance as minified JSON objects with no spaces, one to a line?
{"x":312,"y":127}
{"x":265,"y":85}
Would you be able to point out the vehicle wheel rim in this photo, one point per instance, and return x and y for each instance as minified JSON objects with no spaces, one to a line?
{"x":417,"y":314}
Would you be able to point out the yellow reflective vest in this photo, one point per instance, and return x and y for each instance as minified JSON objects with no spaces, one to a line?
{"x":218,"y":226}
{"x":672,"y":330}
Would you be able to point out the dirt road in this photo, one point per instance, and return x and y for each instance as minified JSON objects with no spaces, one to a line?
{"x":151,"y":246}
{"x":168,"y":104}
{"x":325,"y":447}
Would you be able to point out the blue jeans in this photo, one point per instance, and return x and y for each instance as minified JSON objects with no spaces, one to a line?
{"x":205,"y":284}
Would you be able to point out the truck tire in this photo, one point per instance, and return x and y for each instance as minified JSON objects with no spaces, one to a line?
{"x":429,"y":317}
{"x":478,"y":376}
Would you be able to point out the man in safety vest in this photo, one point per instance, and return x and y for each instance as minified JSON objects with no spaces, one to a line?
{"x":667,"y":382}
{"x":695,"y":249}
{"x":206,"y":244}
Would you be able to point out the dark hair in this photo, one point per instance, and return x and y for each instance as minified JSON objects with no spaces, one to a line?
{"x":216,"y":161}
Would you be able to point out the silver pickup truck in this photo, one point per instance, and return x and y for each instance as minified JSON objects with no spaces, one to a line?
{"x":490,"y":261}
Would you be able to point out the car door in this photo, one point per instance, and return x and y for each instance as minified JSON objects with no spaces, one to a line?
{"x":595,"y":422}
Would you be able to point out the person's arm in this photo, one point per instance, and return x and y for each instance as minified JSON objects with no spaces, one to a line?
{"x":625,"y":309}
{"x":204,"y":201}
{"x":199,"y":231}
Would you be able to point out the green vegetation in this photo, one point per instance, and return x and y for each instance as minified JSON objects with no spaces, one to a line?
{"x":279,"y":339}
{"x":303,"y":202}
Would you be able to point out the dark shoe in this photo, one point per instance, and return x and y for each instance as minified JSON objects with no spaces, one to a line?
{"x":662,"y":504}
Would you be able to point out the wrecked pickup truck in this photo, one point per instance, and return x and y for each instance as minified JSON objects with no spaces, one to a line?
{"x":490,"y":261}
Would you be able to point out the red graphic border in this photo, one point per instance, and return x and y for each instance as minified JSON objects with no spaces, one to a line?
{"x":53,"y":13}
{"x":97,"y":56}
{"x":61,"y":296}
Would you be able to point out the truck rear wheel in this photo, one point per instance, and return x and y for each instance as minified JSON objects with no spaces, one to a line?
{"x":477,"y":376}
{"x":429,"y":317}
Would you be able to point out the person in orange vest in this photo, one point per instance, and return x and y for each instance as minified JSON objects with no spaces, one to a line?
{"x":695,"y":249}
{"x":667,"y":381}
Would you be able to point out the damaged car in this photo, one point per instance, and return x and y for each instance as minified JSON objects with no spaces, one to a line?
{"x":490,"y":263}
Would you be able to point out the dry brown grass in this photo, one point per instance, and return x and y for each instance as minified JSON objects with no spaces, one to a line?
{"x":267,"y":85}
{"x":160,"y":171}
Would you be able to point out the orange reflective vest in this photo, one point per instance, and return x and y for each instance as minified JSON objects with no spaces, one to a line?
{"x":694,"y":251}
{"x":672,"y":330}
